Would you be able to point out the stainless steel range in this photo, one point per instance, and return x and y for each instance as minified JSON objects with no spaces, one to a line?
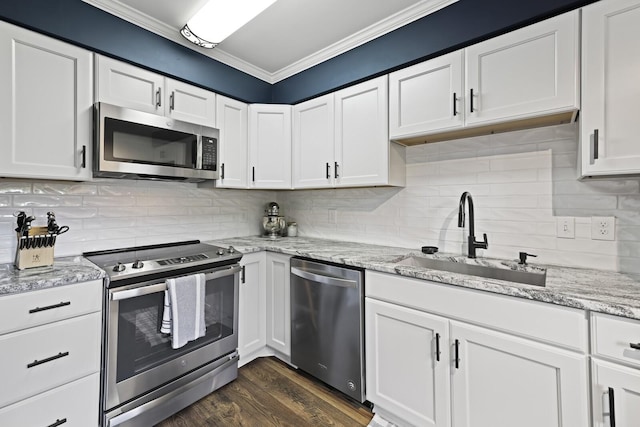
{"x":145,"y":380}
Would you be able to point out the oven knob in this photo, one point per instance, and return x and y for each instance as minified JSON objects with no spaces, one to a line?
{"x":119,"y":267}
{"x":220,"y":251}
{"x":138,"y":264}
{"x":231,"y":250}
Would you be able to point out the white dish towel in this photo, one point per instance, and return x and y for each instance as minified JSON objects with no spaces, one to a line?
{"x":183,"y":315}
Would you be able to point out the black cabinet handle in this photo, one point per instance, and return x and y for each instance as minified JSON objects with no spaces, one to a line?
{"x":457,"y":354}
{"x":84,"y":157}
{"x":335,"y":170}
{"x":48,"y":359}
{"x":159,"y":97}
{"x":595,"y":143}
{"x":58,"y":423}
{"x":50,"y":307}
{"x":242,"y":275}
{"x":328,"y":171}
{"x":437,"y":347}
{"x":253,"y":174}
{"x":222,"y":171}
{"x":455,"y":100}
{"x":471,"y":100}
{"x":171,"y":101}
{"x":635,"y":346}
{"x":612,"y":409}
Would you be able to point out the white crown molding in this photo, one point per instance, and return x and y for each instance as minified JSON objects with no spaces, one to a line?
{"x":385,"y":26}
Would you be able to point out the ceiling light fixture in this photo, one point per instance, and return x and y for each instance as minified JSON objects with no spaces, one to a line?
{"x":220,"y":18}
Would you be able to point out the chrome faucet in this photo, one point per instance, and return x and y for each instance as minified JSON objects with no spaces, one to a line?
{"x":472,"y":243}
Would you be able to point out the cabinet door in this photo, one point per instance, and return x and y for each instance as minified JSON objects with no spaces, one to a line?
{"x":609,"y":125}
{"x":313,"y":136}
{"x":278,"y":303}
{"x":618,"y":386}
{"x":45,"y":106}
{"x":232,"y":119}
{"x":500,"y":380}
{"x":270,"y":146}
{"x":427,"y":97}
{"x":252,"y":327}
{"x":530,"y":71}
{"x":407,"y":363}
{"x":125,"y":85}
{"x":362,"y":136}
{"x":190,"y":103}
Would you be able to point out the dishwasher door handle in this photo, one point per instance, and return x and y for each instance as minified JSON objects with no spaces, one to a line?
{"x":324,"y":279}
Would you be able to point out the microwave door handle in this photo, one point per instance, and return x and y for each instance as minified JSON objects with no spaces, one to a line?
{"x":199,"y":148}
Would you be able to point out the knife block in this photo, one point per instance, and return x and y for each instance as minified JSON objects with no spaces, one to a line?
{"x":34,"y":256}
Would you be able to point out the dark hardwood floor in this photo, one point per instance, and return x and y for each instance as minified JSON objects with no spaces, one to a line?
{"x":267,"y":392}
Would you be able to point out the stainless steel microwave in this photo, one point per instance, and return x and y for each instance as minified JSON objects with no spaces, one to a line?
{"x":139,"y":145}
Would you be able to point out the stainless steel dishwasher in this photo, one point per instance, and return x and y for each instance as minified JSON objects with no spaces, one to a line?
{"x":327,"y":324}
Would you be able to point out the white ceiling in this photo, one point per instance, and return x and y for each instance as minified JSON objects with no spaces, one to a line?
{"x":288,"y":37}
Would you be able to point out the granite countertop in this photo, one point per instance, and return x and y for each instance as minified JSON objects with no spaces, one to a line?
{"x":64,"y":271}
{"x":596,"y":290}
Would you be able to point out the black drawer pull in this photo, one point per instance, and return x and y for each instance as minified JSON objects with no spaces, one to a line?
{"x":49,"y":307}
{"x":48,"y":359}
{"x":457,"y":354}
{"x":437,"y":347}
{"x":635,"y":346}
{"x":58,"y":423}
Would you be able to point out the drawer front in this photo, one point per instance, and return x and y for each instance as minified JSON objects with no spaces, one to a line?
{"x":615,"y":338}
{"x":21,"y":311}
{"x":549,"y":323}
{"x":71,"y":405}
{"x":39,"y":359}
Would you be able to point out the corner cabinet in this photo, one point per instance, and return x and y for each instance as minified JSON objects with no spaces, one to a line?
{"x":126,"y":85}
{"x":609,"y":125}
{"x":279,"y":304}
{"x":270,"y":146}
{"x":252,"y":332}
{"x":526,"y":78}
{"x":438,"y":355}
{"x":232,"y":118}
{"x":46,"y":100}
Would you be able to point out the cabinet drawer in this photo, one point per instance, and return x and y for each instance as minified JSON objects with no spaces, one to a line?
{"x":21,"y":311}
{"x":75,"y":403}
{"x":613,"y":337}
{"x":38,"y":359}
{"x":552,"y":324}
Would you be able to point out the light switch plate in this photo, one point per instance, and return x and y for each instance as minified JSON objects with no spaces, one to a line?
{"x":566,"y":227}
{"x":603,"y":227}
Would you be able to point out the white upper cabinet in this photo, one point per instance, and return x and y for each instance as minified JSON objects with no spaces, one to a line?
{"x":523,"y":75}
{"x":270,"y":146}
{"x":313,"y":143}
{"x":427,"y":96}
{"x":363,"y":154}
{"x":609,"y":125}
{"x":233,"y":124}
{"x":45,"y":107}
{"x":125,"y":85}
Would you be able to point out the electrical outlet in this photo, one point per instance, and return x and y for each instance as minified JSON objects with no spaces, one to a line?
{"x":566,"y":227}
{"x":333,"y":216}
{"x":603,"y":227}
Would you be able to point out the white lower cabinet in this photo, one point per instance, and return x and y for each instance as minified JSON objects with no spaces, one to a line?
{"x":278,"y":303}
{"x":491,"y":373}
{"x":51,"y":367}
{"x":407,"y":363}
{"x":252,"y":332}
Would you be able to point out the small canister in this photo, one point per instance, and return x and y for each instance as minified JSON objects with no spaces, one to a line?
{"x":292,"y":229}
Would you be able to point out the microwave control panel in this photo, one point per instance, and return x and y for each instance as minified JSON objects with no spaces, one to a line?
{"x":209,"y":153}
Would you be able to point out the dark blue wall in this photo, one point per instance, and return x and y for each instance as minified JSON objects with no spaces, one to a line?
{"x":453,"y":27}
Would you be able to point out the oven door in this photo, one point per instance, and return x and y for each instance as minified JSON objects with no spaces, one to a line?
{"x":140,"y":358}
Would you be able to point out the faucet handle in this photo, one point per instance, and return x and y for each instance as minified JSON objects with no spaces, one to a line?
{"x":523,"y":257}
{"x":485,"y":242}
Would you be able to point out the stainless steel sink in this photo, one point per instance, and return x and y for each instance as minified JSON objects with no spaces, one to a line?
{"x":537,"y":277}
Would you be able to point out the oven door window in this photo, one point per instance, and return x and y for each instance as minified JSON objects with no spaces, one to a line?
{"x":135,"y":143}
{"x":141,"y":345}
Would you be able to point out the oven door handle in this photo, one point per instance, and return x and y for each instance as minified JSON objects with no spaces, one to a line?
{"x":161,"y":287}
